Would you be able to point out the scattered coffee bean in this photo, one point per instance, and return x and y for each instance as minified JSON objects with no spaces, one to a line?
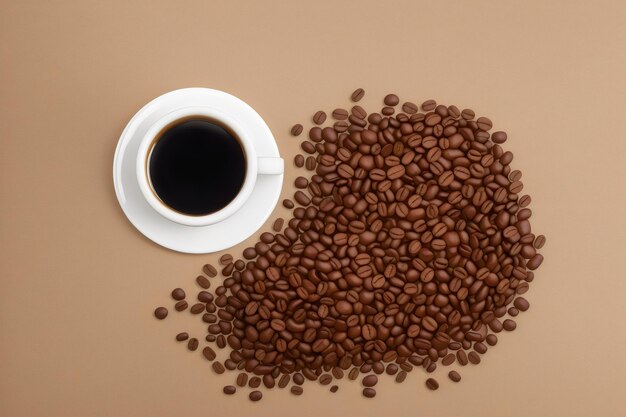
{"x":296,"y":130}
{"x":255,"y":395}
{"x":197,"y":308}
{"x":288,"y":203}
{"x":509,"y":325}
{"x":296,"y":390}
{"x":181,"y":337}
{"x":410,"y":108}
{"x":278,"y":224}
{"x":370,"y":381}
{"x":226,"y":259}
{"x":353,"y":374}
{"x":432,"y":384}
{"x":254,"y":382}
{"x":181,"y":305}
{"x":178,"y":294}
{"x":454,"y":376}
{"x":192,"y":344}
{"x":391,"y":100}
{"x":340,"y":114}
{"x":474,"y":358}
{"x":218,"y":368}
{"x":298,"y":379}
{"x":401,"y":376}
{"x":229,"y":390}
{"x":499,"y":137}
{"x":209,"y":353}
{"x":319,"y":117}
{"x":369,"y":392}
{"x":334,"y":388}
{"x":325,"y":379}
{"x":310,"y":163}
{"x":242,"y":379}
{"x":160,"y":313}
{"x":202,"y":281}
{"x":539,"y":242}
{"x":429,"y":105}
{"x":357,"y":95}
{"x":491,"y":339}
{"x":209,"y":270}
{"x":284,"y":381}
{"x":298,"y":161}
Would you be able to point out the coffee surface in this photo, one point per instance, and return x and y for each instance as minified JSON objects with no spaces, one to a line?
{"x":197,"y":167}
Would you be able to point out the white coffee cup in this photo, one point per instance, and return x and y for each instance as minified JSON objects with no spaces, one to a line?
{"x":255,"y":165}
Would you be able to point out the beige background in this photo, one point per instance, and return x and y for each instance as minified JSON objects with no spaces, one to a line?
{"x":78,"y":284}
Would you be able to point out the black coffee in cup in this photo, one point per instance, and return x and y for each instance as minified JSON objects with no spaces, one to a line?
{"x":196,"y":166}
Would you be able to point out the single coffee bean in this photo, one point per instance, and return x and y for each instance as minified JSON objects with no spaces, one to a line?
{"x":202,"y":281}
{"x":369,"y":392}
{"x":484,"y":123}
{"x":474,"y":358}
{"x":296,"y":130}
{"x":209,"y":270}
{"x":255,"y":395}
{"x":340,"y":114}
{"x":353,"y":374}
{"x":160,"y":313}
{"x":229,"y":390}
{"x":178,"y":294}
{"x":429,"y":105}
{"x":319,"y":117}
{"x":391,"y":100}
{"x":409,"y":108}
{"x":284,"y":381}
{"x":181,"y":305}
{"x":325,"y":379}
{"x":296,"y":390}
{"x":310,"y":163}
{"x":254,"y":382}
{"x":298,"y":161}
{"x":521,"y":303}
{"x":278,"y":224}
{"x":432,"y":384}
{"x":499,"y":137}
{"x":401,"y":376}
{"x":197,"y":308}
{"x":209,"y":353}
{"x":370,"y":381}
{"x":357,"y":95}
{"x":454,"y":376}
{"x":181,"y":337}
{"x":539,"y":242}
{"x":491,"y":339}
{"x":288,"y":203}
{"x":226,"y":259}
{"x":218,"y":368}
{"x":192,"y":344}
{"x":334,"y":388}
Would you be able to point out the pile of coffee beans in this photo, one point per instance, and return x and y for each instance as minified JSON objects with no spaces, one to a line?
{"x":409,"y":246}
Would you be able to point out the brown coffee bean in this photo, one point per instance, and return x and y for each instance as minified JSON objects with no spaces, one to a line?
{"x":499,"y":137}
{"x":484,"y":123}
{"x":432,"y":384}
{"x":197,"y":308}
{"x":319,"y":117}
{"x":160,"y":313}
{"x":401,"y":376}
{"x":209,"y":270}
{"x":284,"y":381}
{"x":454,"y":376}
{"x":539,"y":242}
{"x":353,"y":374}
{"x":218,"y":368}
{"x":254,"y":382}
{"x":242,"y":379}
{"x":409,"y":108}
{"x":310,"y":163}
{"x":391,"y":100}
{"x":429,"y":105}
{"x":278,"y":224}
{"x":209,"y":353}
{"x":202,"y":281}
{"x":468,"y":114}
{"x":521,"y":303}
{"x":192,"y":344}
{"x":534,"y":262}
{"x":298,"y":379}
{"x":229,"y":389}
{"x":296,"y":130}
{"x":181,"y":337}
{"x":178,"y":294}
{"x":369,"y":392}
{"x":370,"y":381}
{"x":298,"y":161}
{"x":359,"y":112}
{"x":357,"y":95}
{"x":474,"y":358}
{"x":296,"y":390}
{"x":288,"y":203}
{"x":334,"y":388}
{"x":340,"y":114}
{"x":325,"y":379}
{"x":255,"y":395}
{"x":181,"y":305}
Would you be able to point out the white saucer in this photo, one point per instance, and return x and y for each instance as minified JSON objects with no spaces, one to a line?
{"x":205,"y":239}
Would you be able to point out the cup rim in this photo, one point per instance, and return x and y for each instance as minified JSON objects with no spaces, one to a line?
{"x":142,"y":166}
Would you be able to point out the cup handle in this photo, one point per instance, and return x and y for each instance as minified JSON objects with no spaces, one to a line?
{"x":270,"y":166}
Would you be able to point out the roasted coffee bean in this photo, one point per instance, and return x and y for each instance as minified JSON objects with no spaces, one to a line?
{"x":288,"y":203}
{"x":296,"y":390}
{"x":334,"y":388}
{"x":357,"y":95}
{"x":429,"y":105}
{"x":310,"y":163}
{"x":160,"y":313}
{"x":192,"y":344}
{"x":353,"y":374}
{"x":409,"y":108}
{"x":325,"y":379}
{"x":474,"y":358}
{"x":491,"y":339}
{"x":209,"y":353}
{"x":255,"y":395}
{"x":401,"y":376}
{"x":298,"y":160}
{"x":278,"y":224}
{"x":197,"y":308}
{"x":319,"y":117}
{"x":209,"y":270}
{"x":203,"y":281}
{"x":499,"y":137}
{"x":181,"y":305}
{"x":509,"y":325}
{"x":298,"y":379}
{"x":340,"y":114}
{"x":229,"y":389}
{"x":539,"y":242}
{"x":432,"y":384}
{"x":226,"y":259}
{"x":296,"y":130}
{"x":181,"y":337}
{"x":242,"y":379}
{"x":369,"y":392}
{"x":178,"y":294}
{"x":218,"y":368}
{"x":370,"y":381}
{"x":454,"y":376}
{"x":391,"y":100}
{"x":254,"y":382}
